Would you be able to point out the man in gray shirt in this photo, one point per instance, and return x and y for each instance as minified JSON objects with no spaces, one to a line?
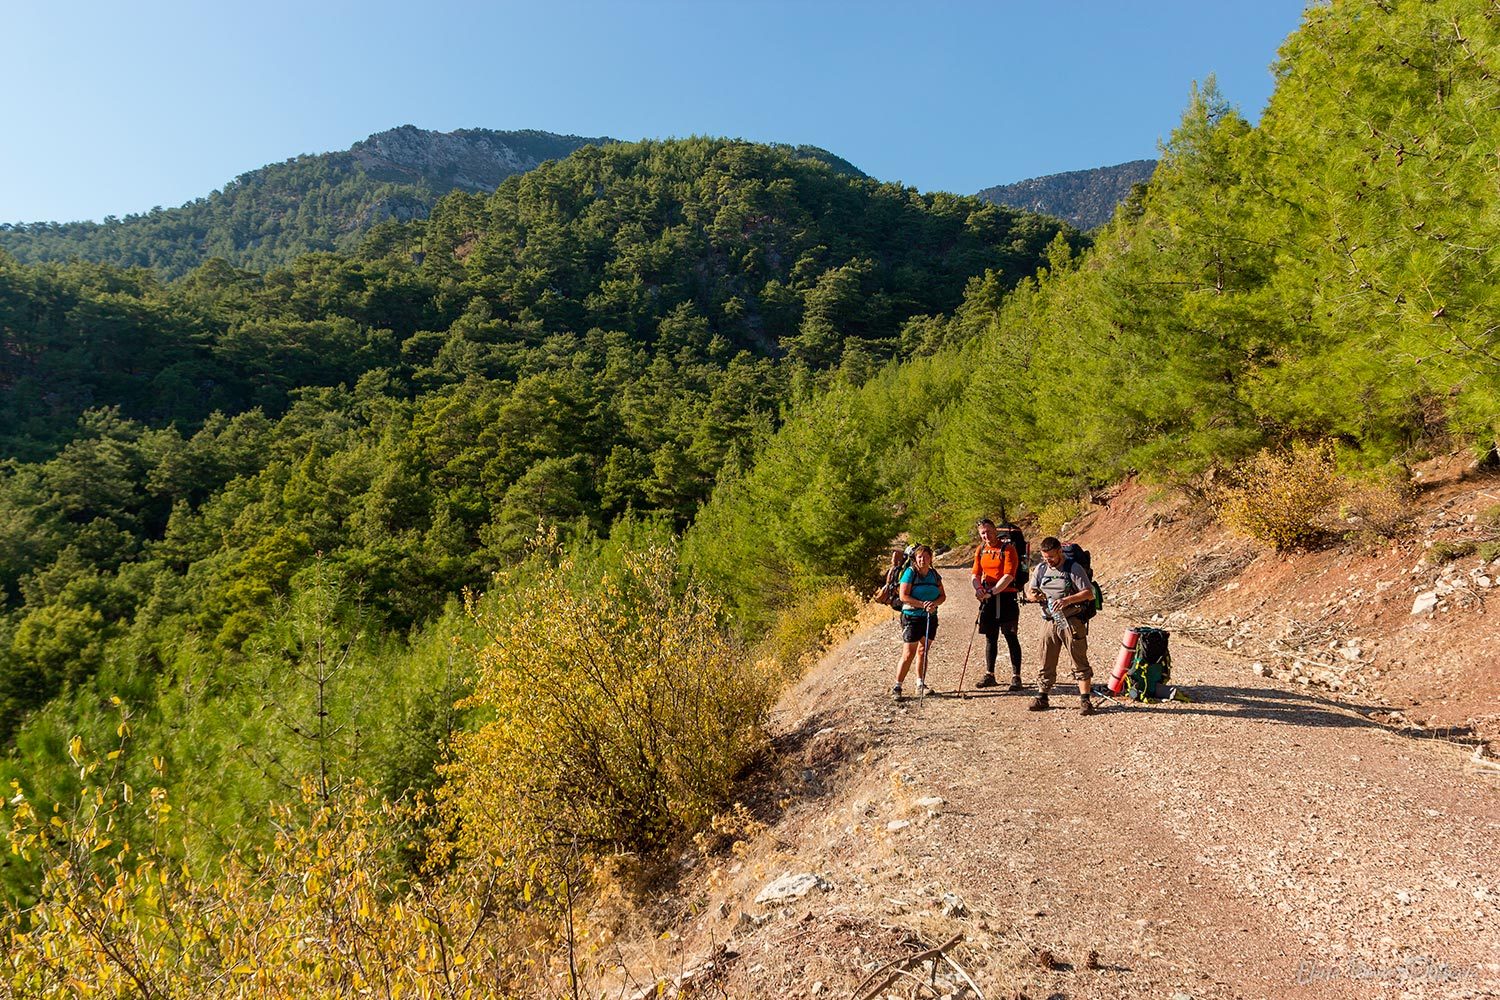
{"x":1063,"y":587}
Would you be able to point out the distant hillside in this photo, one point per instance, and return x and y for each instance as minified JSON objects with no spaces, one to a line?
{"x":1086,"y":198}
{"x":326,"y":201}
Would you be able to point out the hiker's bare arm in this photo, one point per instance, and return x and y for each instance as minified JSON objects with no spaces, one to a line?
{"x":1077,"y":598}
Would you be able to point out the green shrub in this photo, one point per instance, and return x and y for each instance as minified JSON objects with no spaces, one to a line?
{"x":1442,"y":553}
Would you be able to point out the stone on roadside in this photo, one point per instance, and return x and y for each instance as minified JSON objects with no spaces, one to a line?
{"x":897,"y":825}
{"x":792,"y":887}
{"x":1425,"y":602}
{"x":747,"y":923}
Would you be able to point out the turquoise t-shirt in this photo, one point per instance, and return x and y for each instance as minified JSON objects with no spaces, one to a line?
{"x":923,"y":588}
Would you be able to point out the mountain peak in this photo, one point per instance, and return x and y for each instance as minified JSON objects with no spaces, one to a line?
{"x":1085,"y":198}
{"x":475,"y":159}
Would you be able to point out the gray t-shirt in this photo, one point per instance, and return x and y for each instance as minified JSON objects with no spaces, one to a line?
{"x":1055,"y":583}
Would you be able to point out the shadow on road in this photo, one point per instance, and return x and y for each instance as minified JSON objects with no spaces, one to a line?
{"x":1293,"y":708}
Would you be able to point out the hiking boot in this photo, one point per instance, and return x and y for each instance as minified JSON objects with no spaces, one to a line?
{"x":987,"y":681}
{"x":1087,"y":707}
{"x":922,"y":689}
{"x":896,"y":692}
{"x":1015,"y":684}
{"x":1039,"y":703}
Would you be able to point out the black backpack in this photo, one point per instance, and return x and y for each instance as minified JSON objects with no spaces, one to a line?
{"x":1017,"y":538}
{"x":1075,"y":553}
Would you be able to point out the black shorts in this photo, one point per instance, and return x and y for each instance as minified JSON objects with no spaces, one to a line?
{"x":915,"y":628}
{"x":999,"y":613}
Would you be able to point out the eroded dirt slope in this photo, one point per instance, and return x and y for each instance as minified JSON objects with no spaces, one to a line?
{"x":1264,"y":841}
{"x":1396,"y":625}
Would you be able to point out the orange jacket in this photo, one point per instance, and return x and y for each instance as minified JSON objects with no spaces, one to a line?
{"x":990,"y":564}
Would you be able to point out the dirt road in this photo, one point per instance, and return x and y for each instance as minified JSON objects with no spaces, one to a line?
{"x":1260,"y":842}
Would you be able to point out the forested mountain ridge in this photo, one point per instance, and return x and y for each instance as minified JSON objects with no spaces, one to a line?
{"x":316,"y":202}
{"x":699,"y":246}
{"x":1084,"y":198}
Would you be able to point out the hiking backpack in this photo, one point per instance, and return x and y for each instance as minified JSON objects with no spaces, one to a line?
{"x":890,"y":592}
{"x":1151,"y":668}
{"x":1017,"y":538}
{"x":1075,"y":553}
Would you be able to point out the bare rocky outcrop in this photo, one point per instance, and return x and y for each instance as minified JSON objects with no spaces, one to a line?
{"x":473,"y":159}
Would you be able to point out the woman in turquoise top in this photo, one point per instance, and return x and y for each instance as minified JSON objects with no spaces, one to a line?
{"x":921,"y":593}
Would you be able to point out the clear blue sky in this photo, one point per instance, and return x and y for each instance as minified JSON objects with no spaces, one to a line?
{"x":114,"y":107}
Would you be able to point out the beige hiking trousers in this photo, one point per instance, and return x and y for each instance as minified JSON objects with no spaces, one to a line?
{"x":1054,"y":638}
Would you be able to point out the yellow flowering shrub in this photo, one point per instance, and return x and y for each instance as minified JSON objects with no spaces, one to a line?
{"x":1285,"y":498}
{"x":618,"y":716}
{"x":803,"y":629}
{"x":323,"y":911}
{"x":614,"y":718}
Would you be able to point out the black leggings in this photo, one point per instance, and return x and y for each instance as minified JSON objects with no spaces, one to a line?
{"x":992,"y":649}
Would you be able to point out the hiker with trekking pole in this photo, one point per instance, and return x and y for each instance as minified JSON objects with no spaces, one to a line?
{"x":921,"y":593}
{"x":996,"y":579}
{"x":1062,"y":586}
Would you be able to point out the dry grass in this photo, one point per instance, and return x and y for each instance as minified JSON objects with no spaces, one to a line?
{"x":1383,"y":508}
{"x":1181,"y":583}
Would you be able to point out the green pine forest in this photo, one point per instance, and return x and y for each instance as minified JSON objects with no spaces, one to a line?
{"x":249,"y":504}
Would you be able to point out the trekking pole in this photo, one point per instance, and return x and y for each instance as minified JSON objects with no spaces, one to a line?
{"x":926,"y":641}
{"x":965,"y":670}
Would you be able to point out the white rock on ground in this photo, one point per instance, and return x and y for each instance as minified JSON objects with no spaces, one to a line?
{"x":791,"y":886}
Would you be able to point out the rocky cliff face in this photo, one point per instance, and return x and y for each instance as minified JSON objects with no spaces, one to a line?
{"x":473,"y":159}
{"x":1085,"y":198}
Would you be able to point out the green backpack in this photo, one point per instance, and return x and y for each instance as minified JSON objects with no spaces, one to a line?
{"x":1151,"y":668}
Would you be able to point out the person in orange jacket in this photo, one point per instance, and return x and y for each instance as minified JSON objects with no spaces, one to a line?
{"x":996,"y":567}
